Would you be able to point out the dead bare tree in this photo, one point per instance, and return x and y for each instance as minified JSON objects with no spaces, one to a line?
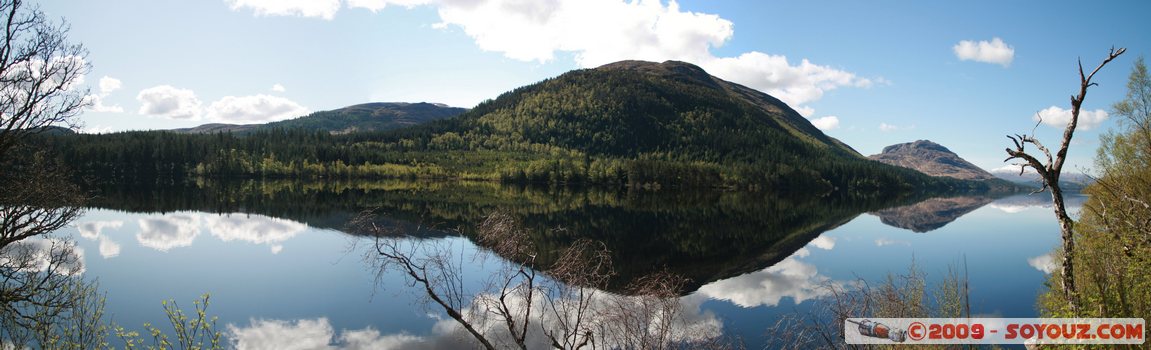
{"x":40,"y":74}
{"x":1050,"y":171}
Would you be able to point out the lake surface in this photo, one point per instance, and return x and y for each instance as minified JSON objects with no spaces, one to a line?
{"x":282,"y":268}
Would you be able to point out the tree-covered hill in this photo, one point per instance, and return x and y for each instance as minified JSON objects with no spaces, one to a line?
{"x":628,"y":124}
{"x":376,"y":116}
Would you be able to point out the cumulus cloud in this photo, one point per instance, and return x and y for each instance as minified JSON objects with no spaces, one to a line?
{"x":376,"y":5}
{"x":325,"y":9}
{"x":258,"y":108}
{"x":94,"y":230}
{"x":37,"y":254}
{"x":278,"y":88}
{"x":826,"y":123}
{"x":315,"y":334}
{"x":256,"y":229}
{"x":995,"y":51}
{"x":96,"y":101}
{"x":790,"y":278}
{"x":794,"y":84}
{"x":596,"y":32}
{"x":169,"y":231}
{"x":884,"y":241}
{"x":823,"y":242}
{"x":1044,"y":263}
{"x":693,"y":324}
{"x":170,"y":102}
{"x":1011,"y":169}
{"x":1059,"y":117}
{"x":885,"y":127}
{"x":109,"y":84}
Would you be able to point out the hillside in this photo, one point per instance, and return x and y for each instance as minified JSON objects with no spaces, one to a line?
{"x":670,"y":110}
{"x":377,"y":116}
{"x":629,"y":124}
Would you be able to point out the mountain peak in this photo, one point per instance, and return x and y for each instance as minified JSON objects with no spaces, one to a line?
{"x":675,"y":70}
{"x":932,"y":159}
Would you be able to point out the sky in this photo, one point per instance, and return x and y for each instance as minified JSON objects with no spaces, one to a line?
{"x":871,"y":73}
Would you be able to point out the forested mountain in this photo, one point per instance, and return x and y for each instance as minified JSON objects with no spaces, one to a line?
{"x":628,"y":124}
{"x":377,"y":116}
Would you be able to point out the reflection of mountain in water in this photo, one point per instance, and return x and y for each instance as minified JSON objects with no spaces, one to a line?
{"x":931,"y":214}
{"x":705,"y":236}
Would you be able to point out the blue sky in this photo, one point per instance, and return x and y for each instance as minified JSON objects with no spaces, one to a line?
{"x":962,"y":74}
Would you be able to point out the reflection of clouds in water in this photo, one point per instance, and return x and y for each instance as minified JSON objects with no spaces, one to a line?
{"x":169,"y":231}
{"x":1021,"y":203}
{"x":256,"y":229}
{"x":791,"y":277}
{"x":38,"y":254}
{"x":180,"y":230}
{"x":1044,"y":263}
{"x":448,"y":334}
{"x":1011,"y":208}
{"x":313,"y":334}
{"x":108,"y":248}
{"x":95,"y":230}
{"x":823,"y":242}
{"x":884,"y":241}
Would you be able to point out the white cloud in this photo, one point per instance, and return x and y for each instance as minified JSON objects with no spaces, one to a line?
{"x":1011,"y":169}
{"x":278,"y":88}
{"x":325,"y":9}
{"x":256,"y":229}
{"x":1059,"y":117}
{"x":773,"y":74}
{"x":597,"y":32}
{"x":885,"y":127}
{"x":823,"y":242}
{"x":995,"y":51}
{"x":109,"y":84}
{"x":790,"y":278}
{"x":826,"y":123}
{"x":170,"y":102}
{"x":258,"y":108}
{"x":1010,"y":208}
{"x":109,"y":248}
{"x":169,"y":231}
{"x":37,"y":254}
{"x":1044,"y":263}
{"x":96,"y":101}
{"x":884,"y":241}
{"x":376,"y":5}
{"x":95,"y":230}
{"x":692,"y":324}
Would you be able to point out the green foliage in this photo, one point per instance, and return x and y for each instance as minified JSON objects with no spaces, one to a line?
{"x":1113,"y":236}
{"x":196,"y":333}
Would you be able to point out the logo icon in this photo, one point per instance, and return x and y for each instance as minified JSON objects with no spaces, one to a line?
{"x":873,"y":329}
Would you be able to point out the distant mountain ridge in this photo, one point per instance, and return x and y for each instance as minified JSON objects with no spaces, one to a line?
{"x":376,"y":116}
{"x":932,"y":159}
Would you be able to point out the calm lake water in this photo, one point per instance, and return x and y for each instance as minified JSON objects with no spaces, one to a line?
{"x":282,"y":268}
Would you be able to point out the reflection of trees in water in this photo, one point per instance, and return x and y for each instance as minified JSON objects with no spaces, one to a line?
{"x":702,"y":235}
{"x":42,"y":292}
